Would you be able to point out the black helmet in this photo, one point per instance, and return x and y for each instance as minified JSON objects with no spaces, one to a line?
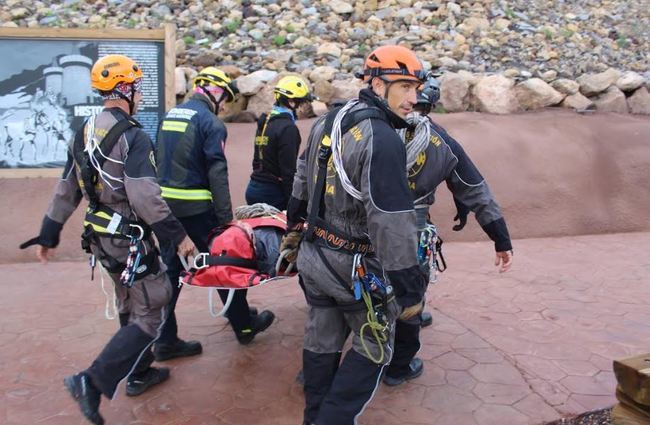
{"x":430,"y":93}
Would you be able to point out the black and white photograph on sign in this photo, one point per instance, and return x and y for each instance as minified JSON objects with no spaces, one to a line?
{"x":45,"y":94}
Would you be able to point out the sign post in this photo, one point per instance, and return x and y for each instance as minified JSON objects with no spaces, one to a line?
{"x":45,"y":92}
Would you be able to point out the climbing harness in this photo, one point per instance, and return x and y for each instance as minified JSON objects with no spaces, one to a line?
{"x":366,"y":286}
{"x":133,"y":259}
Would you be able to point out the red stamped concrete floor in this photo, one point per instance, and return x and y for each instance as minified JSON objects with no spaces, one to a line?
{"x":526,"y":347}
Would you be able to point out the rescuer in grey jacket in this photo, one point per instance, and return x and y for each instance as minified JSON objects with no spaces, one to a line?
{"x":433,"y":157}
{"x":362,"y":210}
{"x":110,"y":164}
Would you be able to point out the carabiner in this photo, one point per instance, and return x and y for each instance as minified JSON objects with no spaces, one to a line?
{"x":138,"y":227}
{"x":203,"y":256}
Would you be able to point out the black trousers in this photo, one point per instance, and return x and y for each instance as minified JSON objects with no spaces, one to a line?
{"x":407,"y":344}
{"x":198,"y":228}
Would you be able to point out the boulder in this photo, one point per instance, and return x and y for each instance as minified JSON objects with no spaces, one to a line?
{"x":536,"y":93}
{"x":251,"y":84}
{"x":613,"y":100}
{"x":180,"y":82}
{"x":347,"y":89}
{"x":591,"y":84}
{"x":495,"y":94}
{"x":639,"y":102}
{"x":324,"y":91}
{"x":577,"y":101}
{"x":329,"y":49}
{"x":454,"y":92}
{"x":566,"y":86}
{"x":325,"y":73}
{"x":630,"y":81}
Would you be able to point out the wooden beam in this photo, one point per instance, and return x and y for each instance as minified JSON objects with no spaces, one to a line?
{"x":84,"y":33}
{"x":170,"y":65}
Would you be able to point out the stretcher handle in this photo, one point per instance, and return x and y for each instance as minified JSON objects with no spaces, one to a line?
{"x":278,"y":264}
{"x":226,"y":306}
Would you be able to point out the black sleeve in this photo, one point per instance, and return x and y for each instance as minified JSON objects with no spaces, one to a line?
{"x":296,"y":213}
{"x":498,"y":232}
{"x":288,"y":146}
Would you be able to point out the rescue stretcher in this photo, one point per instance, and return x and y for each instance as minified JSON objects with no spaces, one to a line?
{"x":243,"y":254}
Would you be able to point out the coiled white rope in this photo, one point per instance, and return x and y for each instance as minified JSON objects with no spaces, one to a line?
{"x":92,"y":146}
{"x":420,"y":140}
{"x":337,"y":151}
{"x":255,"y":210}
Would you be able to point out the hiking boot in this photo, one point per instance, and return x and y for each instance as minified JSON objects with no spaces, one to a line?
{"x":426,"y":319}
{"x":86,"y":395}
{"x":252,"y":311}
{"x":141,"y":382}
{"x":260,"y":323}
{"x":179,"y":348}
{"x":416,"y":367}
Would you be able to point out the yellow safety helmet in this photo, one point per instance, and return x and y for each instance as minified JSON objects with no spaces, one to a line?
{"x":212,"y":76}
{"x":292,"y":87}
{"x":111,"y":70}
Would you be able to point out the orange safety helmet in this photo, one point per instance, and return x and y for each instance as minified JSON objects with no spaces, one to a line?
{"x":111,"y":70}
{"x":393,"y":63}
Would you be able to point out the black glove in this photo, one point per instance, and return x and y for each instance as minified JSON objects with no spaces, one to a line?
{"x":461,"y":215}
{"x":49,"y":236}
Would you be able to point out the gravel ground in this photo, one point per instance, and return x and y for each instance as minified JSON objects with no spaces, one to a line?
{"x":597,"y":417}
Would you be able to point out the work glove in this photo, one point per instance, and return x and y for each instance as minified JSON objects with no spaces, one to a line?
{"x":48,"y":236}
{"x":291,"y":241}
{"x":412,"y":311}
{"x":461,"y":215}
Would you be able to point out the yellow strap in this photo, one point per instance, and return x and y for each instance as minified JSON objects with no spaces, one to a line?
{"x":186,"y":194}
{"x":179,"y":126}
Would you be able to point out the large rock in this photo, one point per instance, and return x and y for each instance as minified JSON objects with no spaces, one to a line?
{"x":251,"y":84}
{"x":233,"y":71}
{"x":495,"y":94}
{"x":454,"y":92}
{"x":324,"y":91}
{"x":234,"y":109}
{"x":639,"y":102}
{"x":325,"y":73}
{"x":329,"y":49}
{"x":577,"y":101}
{"x":630,"y":81}
{"x":613,"y":100}
{"x":341,"y":7}
{"x":180,"y":82}
{"x":535,"y":94}
{"x":591,"y":84}
{"x":347,"y":89}
{"x":262,"y":101}
{"x":566,"y":86}
{"x":319,"y":108}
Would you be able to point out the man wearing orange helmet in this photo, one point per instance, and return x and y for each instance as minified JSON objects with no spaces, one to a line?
{"x":110,"y":163}
{"x":358,"y":255}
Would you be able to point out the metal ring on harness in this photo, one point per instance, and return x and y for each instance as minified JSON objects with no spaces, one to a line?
{"x":278,"y":263}
{"x":203,"y":258}
{"x":226,"y":305}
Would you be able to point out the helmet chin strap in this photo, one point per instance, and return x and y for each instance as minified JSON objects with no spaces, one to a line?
{"x":214,"y":101}
{"x":130,"y":101}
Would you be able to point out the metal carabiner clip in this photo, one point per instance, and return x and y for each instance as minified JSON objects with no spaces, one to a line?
{"x":202,"y":259}
{"x":138,"y":227}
